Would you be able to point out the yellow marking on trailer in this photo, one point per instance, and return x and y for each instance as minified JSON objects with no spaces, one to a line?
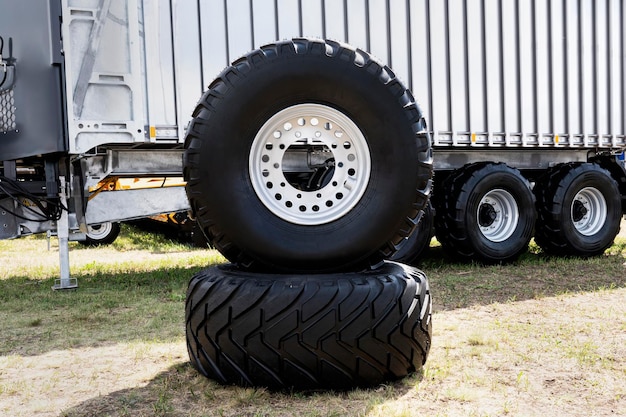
{"x":152,"y":132}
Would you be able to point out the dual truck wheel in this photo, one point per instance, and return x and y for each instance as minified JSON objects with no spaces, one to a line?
{"x":488,"y":212}
{"x":307,"y":165}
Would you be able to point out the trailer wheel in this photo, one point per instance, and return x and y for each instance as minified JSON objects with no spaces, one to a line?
{"x":579,"y":208}
{"x":306,"y":156}
{"x":328,"y":331}
{"x":485,"y":212}
{"x":101,"y":234}
{"x":418,"y":242}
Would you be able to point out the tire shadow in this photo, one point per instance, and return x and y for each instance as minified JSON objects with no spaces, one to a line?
{"x":181,"y":390}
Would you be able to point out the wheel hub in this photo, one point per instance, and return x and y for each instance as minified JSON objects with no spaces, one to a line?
{"x":589,"y":211}
{"x":486,"y":215}
{"x":497,"y":215}
{"x":309,"y":164}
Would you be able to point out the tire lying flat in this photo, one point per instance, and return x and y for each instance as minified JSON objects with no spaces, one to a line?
{"x":579,"y":208}
{"x":330,"y":331}
{"x":307,"y":155}
{"x":485,"y":212}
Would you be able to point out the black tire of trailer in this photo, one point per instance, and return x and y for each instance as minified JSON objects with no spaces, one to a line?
{"x":417,"y":244}
{"x":101,"y":234}
{"x":260,"y":224}
{"x":579,"y":210}
{"x":316,"y":331}
{"x":485,"y":212}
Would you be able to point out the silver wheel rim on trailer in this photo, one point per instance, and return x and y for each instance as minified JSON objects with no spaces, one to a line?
{"x":99,"y":231}
{"x":497,"y":215}
{"x":305,"y":139}
{"x":589,"y":211}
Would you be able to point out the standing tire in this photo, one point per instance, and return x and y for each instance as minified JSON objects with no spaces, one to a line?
{"x":328,"y":331}
{"x":579,"y":207}
{"x":485,"y":212}
{"x":416,"y":245}
{"x":101,"y":234}
{"x":307,"y":155}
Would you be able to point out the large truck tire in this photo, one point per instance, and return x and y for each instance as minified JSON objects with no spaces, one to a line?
{"x":579,"y":207}
{"x":307,"y":155}
{"x":485,"y":212}
{"x":315,"y":331}
{"x":416,"y":245}
{"x":101,"y":234}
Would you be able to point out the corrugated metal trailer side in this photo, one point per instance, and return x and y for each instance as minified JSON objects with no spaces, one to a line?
{"x":488,"y":73}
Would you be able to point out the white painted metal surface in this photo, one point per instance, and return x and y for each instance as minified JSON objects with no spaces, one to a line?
{"x":488,"y":73}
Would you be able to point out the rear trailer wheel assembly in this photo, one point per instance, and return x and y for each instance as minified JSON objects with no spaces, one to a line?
{"x":307,"y":161}
{"x":483,"y":215}
{"x":310,"y":331}
{"x":579,"y":208}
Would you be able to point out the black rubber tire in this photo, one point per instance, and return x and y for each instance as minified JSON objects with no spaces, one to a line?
{"x":328,"y":331}
{"x":458,"y":222}
{"x":555,"y":231}
{"x":101,"y":234}
{"x":417,"y":244}
{"x":276,"y":77}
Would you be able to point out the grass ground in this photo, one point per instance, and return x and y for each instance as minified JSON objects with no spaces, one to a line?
{"x":544,"y":336}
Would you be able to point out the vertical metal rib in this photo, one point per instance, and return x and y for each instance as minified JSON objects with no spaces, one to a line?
{"x":252,"y":40}
{"x":609,"y":69}
{"x":409,"y":43}
{"x":581,"y":72}
{"x":323,"y":4}
{"x":565,"y":67}
{"x":345,"y":21}
{"x":226,"y":40}
{"x":388,"y":18}
{"x":429,"y":64}
{"x":468,"y":87}
{"x":533,"y":25}
{"x":276,"y":26}
{"x":550,"y":69}
{"x":501,"y":69}
{"x":200,"y":47}
{"x":174,"y":75}
{"x":594,"y":67}
{"x":483,"y":36}
{"x":518,"y":49}
{"x":300,"y":23}
{"x":368,"y":44}
{"x":448,"y":68}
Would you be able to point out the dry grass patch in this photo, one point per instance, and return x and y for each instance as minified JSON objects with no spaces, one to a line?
{"x":542,"y":337}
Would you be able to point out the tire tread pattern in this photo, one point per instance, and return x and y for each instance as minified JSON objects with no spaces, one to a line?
{"x":308,"y":331}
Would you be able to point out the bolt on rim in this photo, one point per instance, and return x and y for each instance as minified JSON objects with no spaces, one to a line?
{"x":589,"y":211}
{"x":498,"y":215}
{"x":309,"y":164}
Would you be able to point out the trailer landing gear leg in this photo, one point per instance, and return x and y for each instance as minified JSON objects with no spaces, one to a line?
{"x":63,"y":234}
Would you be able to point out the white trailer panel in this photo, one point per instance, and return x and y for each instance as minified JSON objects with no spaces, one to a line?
{"x":488,"y":73}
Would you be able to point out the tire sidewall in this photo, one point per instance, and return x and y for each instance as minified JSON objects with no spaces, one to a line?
{"x":518,"y":241}
{"x":278,"y":85}
{"x":609,"y":190}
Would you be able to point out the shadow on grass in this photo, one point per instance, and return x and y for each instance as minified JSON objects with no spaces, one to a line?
{"x":181,"y":390}
{"x":111,"y":307}
{"x":534,"y":275}
{"x":107,"y":308}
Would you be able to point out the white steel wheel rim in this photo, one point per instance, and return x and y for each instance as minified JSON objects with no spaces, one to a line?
{"x":498,"y":215}
{"x":589,"y":211}
{"x":327,"y":133}
{"x":99,"y":231}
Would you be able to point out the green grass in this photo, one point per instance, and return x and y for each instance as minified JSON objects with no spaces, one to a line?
{"x":543,"y":336}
